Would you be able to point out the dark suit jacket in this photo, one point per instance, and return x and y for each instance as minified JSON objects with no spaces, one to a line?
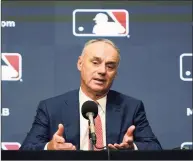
{"x":121,"y":112}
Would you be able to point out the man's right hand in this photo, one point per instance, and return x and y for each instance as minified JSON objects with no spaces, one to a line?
{"x":58,"y":142}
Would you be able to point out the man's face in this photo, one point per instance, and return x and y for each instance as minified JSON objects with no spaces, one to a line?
{"x":98,"y":67}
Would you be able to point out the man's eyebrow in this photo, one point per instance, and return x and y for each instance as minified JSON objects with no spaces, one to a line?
{"x":96,"y":58}
{"x":112,"y":62}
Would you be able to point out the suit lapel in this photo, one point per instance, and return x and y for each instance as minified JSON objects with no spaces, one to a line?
{"x":72,"y":119}
{"x":114,"y":114}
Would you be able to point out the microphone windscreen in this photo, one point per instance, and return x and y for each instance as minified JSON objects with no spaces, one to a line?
{"x":89,"y":106}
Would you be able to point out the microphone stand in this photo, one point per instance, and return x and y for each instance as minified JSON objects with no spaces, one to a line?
{"x":90,"y":138}
{"x":91,"y":144}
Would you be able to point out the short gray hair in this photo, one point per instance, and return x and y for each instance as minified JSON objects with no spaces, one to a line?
{"x":102,"y":40}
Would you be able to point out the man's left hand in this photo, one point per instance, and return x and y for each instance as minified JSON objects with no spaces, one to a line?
{"x":127,"y":142}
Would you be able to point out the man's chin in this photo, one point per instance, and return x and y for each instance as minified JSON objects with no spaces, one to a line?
{"x":99,"y":90}
{"x":98,"y":87}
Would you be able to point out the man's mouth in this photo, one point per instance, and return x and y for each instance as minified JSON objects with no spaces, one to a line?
{"x":100,"y":81}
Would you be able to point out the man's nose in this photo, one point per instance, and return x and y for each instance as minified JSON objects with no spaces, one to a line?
{"x":102,"y":69}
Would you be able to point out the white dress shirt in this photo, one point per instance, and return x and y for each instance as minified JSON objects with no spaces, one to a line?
{"x":84,"y":136}
{"x":84,"y":141}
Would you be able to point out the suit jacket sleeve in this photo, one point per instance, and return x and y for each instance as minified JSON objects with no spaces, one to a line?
{"x":143,"y":135}
{"x":39,"y":133}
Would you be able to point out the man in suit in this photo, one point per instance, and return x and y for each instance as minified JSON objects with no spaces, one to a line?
{"x":121,"y":122}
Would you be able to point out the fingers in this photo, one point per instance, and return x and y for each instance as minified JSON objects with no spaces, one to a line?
{"x":65,"y":146}
{"x":53,"y":145}
{"x":60,"y":130}
{"x":111,"y":146}
{"x":130,"y":130}
{"x":58,"y":142}
{"x":124,"y":145}
{"x":127,"y":140}
{"x":58,"y":139}
{"x":58,"y":136}
{"x":128,"y":137}
{"x":120,"y":146}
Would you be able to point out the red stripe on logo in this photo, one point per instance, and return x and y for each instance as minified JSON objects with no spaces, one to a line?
{"x":12,"y":147}
{"x":14,"y":61}
{"x":121,"y":17}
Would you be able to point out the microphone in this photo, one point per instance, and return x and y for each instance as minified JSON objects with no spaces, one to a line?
{"x":90,"y":112}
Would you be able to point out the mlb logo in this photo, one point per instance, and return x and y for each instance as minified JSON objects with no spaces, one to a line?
{"x":10,"y":145}
{"x":11,"y":66}
{"x":186,"y":145}
{"x":186,"y":66}
{"x":101,"y":22}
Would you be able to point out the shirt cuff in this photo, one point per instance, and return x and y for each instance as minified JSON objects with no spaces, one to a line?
{"x":135,"y":146}
{"x":46,"y":147}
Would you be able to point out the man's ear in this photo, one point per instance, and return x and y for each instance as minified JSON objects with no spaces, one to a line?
{"x":79,"y":63}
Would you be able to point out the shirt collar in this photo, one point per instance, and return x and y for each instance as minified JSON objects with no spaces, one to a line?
{"x":83,"y":98}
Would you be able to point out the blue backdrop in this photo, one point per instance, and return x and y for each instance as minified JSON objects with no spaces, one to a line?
{"x":42,"y":33}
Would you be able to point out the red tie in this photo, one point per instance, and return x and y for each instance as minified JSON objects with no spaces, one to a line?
{"x":99,"y":133}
